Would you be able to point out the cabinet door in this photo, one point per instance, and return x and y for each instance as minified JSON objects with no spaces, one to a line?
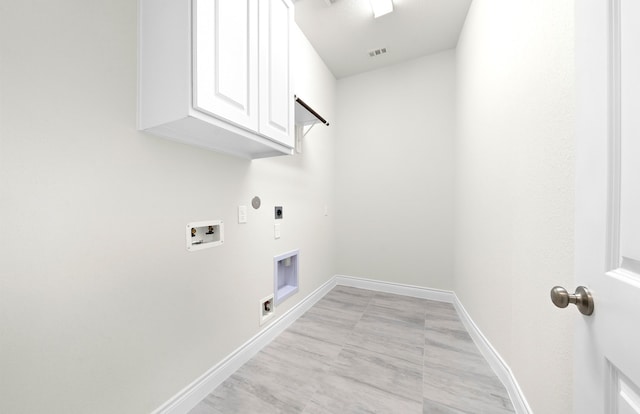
{"x":225,"y":60}
{"x":276,"y":97}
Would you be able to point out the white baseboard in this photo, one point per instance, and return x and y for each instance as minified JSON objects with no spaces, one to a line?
{"x":494,"y":359}
{"x":195,"y":392}
{"x":396,"y":288}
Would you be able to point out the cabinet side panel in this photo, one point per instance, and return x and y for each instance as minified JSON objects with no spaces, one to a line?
{"x":164,"y":56}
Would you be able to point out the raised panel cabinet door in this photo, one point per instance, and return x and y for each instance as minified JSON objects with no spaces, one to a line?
{"x":276,"y":96}
{"x":225,"y":60}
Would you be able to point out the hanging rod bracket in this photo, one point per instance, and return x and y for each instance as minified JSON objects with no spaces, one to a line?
{"x":305,"y":115}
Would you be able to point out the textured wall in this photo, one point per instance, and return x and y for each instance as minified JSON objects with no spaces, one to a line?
{"x":102,"y":309}
{"x":395,"y":172}
{"x":514,"y":187}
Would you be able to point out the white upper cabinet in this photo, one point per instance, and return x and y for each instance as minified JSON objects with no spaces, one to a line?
{"x":216,"y":74}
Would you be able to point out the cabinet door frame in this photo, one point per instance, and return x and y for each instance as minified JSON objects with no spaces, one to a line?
{"x":225,"y":60}
{"x":275,"y":80}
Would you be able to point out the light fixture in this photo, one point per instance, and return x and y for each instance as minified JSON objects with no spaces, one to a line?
{"x":381,"y":7}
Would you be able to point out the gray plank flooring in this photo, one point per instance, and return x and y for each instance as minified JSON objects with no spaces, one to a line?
{"x":359,"y":351}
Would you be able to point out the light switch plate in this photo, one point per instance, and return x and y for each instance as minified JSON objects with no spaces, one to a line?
{"x":242,"y":214}
{"x":276,"y":231}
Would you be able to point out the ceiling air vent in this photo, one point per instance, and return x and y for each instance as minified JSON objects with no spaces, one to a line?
{"x":377,"y":52}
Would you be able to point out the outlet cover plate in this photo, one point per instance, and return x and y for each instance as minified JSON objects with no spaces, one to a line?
{"x":266,"y":315}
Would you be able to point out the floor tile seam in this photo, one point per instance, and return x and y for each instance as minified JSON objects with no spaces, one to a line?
{"x":316,"y":388}
{"x":441,"y":395}
{"x":427,"y":368}
{"x":324,"y":377}
{"x":436,"y":331}
{"x":331,"y":361}
{"x":452,"y":344}
{"x":463,"y":403}
{"x":396,"y":319}
{"x":466,"y":390}
{"x":458,"y":410}
{"x":380,"y":389}
{"x":461,"y":370}
{"x":468,"y":357}
{"x":356,"y":348}
{"x":464,"y":370}
{"x":461,"y":393}
{"x":424,"y":351}
{"x":316,"y":376}
{"x":355,"y":325}
{"x":321,"y":375}
{"x":372,"y":372}
{"x":326,"y":373}
{"x":470,"y":382}
{"x":258,"y":391}
{"x":359,"y":327}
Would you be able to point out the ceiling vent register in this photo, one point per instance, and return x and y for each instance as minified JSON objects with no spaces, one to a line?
{"x":377,"y":52}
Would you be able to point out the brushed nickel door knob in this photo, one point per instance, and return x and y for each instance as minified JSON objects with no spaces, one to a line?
{"x":582,"y":299}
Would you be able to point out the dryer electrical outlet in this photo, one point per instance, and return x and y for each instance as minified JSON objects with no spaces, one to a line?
{"x":279,"y":213}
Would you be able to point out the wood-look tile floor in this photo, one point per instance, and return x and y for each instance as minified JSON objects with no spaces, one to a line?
{"x":359,"y":351}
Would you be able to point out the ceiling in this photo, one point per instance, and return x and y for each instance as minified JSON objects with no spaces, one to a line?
{"x":343,"y":32}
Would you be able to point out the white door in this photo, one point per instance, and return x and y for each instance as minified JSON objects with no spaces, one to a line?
{"x":607,"y":343}
{"x":276,"y":96}
{"x":225,"y":60}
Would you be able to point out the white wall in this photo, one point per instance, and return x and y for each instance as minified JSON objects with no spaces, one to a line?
{"x":514,"y":187}
{"x":102,"y":309}
{"x":394,"y":172}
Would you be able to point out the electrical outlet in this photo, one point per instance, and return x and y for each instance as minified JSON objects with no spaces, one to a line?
{"x":279,"y":212}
